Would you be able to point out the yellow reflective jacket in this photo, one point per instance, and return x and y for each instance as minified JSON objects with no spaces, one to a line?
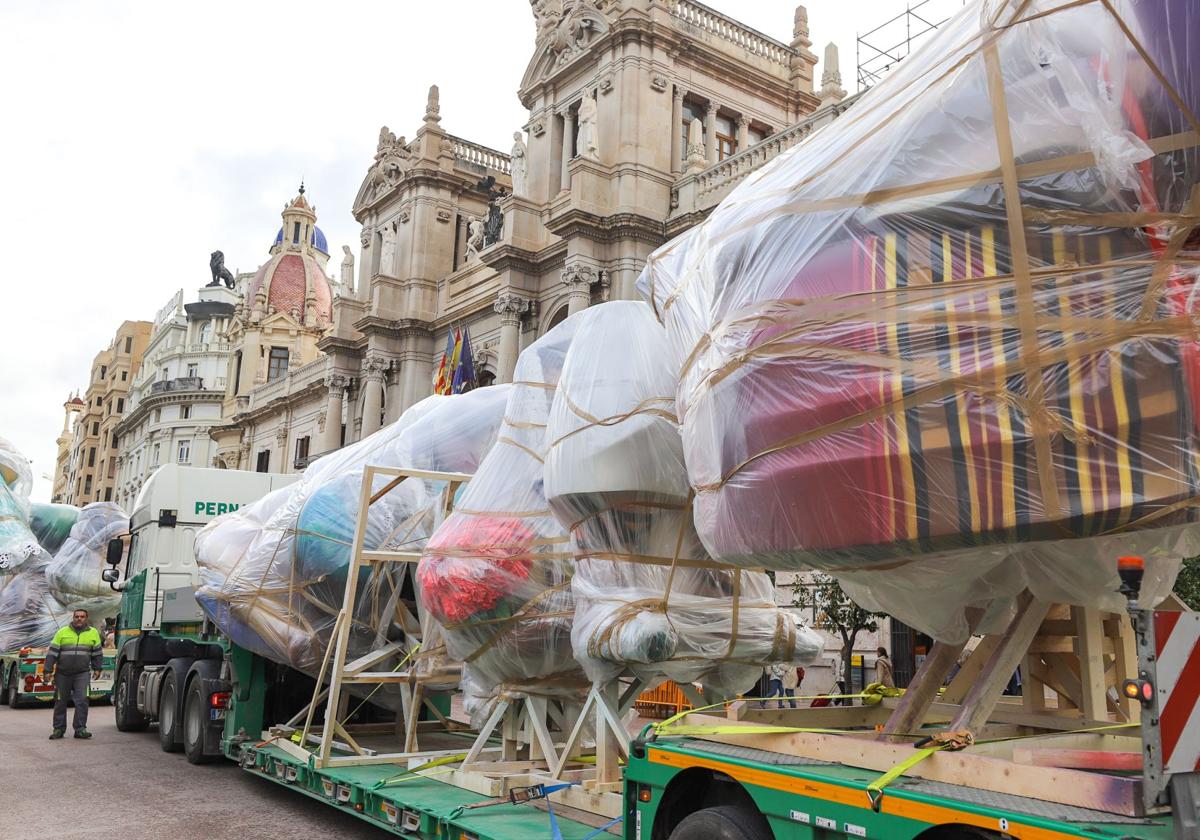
{"x":73,"y":652}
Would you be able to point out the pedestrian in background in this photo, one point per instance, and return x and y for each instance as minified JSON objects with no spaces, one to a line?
{"x":789,"y":679}
{"x":883,"y":669}
{"x":839,"y":680}
{"x":75,"y":653}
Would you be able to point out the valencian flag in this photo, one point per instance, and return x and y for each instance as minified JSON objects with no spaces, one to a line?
{"x":464,"y":365}
{"x":445,"y":372}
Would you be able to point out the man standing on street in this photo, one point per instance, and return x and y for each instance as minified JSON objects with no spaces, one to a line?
{"x":74,"y":652}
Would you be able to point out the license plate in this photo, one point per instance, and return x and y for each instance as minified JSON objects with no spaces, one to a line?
{"x":102,"y":685}
{"x":216,"y":714}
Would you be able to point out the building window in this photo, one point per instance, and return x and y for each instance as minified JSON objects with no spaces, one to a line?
{"x":103,"y":371}
{"x":690,"y":112}
{"x":278,"y":363}
{"x":157,"y":414}
{"x":296,"y":233}
{"x":98,"y":401}
{"x":185,"y":412}
{"x":91,"y":456}
{"x":128,"y":344}
{"x":108,"y":494}
{"x":114,"y":440}
{"x":193,"y":369}
{"x":206,"y":330}
{"x":302,"y":448}
{"x":264,"y":461}
{"x":486,"y":378}
{"x":726,"y":138}
{"x":87,"y":485}
{"x":120,"y":405}
{"x":185,"y":452}
{"x":124,"y":375}
{"x":95,"y":430}
{"x":163,"y":375}
{"x":157,"y":454}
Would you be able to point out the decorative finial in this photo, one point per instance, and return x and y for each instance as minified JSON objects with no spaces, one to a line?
{"x":301,"y":185}
{"x":433,"y":107}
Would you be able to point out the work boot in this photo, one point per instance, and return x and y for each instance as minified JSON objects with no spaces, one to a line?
{"x":81,"y":733}
{"x":57,"y":733}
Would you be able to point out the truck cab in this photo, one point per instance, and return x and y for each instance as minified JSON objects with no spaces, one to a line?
{"x":164,"y":652}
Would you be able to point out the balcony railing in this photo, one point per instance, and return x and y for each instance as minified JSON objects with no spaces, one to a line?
{"x":294,"y":380}
{"x":728,"y":29}
{"x":179,"y":383}
{"x":473,"y":153}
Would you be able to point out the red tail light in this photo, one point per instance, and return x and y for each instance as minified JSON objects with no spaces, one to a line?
{"x":29,"y":683}
{"x":219,"y":699}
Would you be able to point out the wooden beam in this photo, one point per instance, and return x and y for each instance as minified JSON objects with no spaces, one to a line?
{"x":981,"y":698}
{"x":360,"y":664}
{"x":1082,"y":759}
{"x":922,"y":691}
{"x":1114,"y":794}
{"x":970,"y":669}
{"x":828,"y":716}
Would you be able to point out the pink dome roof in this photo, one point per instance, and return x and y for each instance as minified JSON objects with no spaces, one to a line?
{"x":288,"y":278}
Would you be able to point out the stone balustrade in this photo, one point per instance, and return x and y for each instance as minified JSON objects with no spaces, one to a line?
{"x":715,"y":23}
{"x":294,"y":380}
{"x":703,"y":190}
{"x":481,"y":156}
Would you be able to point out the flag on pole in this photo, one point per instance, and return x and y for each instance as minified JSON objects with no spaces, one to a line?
{"x":445,"y":372}
{"x":464,"y":371}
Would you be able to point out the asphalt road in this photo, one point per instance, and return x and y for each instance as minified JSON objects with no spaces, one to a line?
{"x":123,"y":785}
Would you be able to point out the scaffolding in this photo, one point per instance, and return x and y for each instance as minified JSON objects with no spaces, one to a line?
{"x":879,"y":50}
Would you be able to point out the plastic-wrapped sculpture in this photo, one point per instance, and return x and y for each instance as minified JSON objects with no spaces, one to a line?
{"x":273,"y":573}
{"x":965,"y":312}
{"x":29,"y":614}
{"x":18,"y":545}
{"x":51,"y":524}
{"x":648,"y":598}
{"x":73,"y":576}
{"x":496,"y":575}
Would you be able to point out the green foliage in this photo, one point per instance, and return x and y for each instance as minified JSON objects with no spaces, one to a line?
{"x":834,"y":612}
{"x":1187,"y":586}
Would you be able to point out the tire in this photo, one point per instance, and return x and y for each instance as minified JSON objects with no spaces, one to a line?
{"x":14,"y":696}
{"x":128,"y":718}
{"x":195,"y":724}
{"x":728,"y":822}
{"x":3,"y":691}
{"x":168,"y":715}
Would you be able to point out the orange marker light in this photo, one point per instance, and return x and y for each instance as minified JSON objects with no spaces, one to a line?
{"x":1131,"y":563}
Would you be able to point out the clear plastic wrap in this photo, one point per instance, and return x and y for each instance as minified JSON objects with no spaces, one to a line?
{"x":51,"y":524}
{"x":649,"y":601}
{"x":273,"y":573}
{"x":948,"y":344}
{"x":73,"y":576}
{"x":29,"y":614}
{"x":18,"y":545}
{"x":497,"y":573}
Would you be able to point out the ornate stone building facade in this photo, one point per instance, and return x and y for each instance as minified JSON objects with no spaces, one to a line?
{"x":642,"y":115}
{"x":178,"y":392}
{"x":72,"y":408}
{"x":92,"y":465}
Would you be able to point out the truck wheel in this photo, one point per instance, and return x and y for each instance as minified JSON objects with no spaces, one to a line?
{"x":129,"y":719}
{"x":14,"y":694}
{"x":168,"y":715}
{"x":3,"y":690}
{"x":728,"y":822}
{"x":195,"y":724}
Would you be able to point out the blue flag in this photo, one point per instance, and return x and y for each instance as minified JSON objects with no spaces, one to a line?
{"x":464,"y":372}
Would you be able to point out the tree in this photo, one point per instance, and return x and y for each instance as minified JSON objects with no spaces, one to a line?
{"x":1187,"y":585}
{"x":834,"y":612}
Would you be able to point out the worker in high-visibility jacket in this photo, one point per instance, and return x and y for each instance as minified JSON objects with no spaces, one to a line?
{"x":74,"y":655}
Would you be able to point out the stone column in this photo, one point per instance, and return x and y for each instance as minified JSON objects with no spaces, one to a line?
{"x":336,"y":383}
{"x":510,"y":307}
{"x":578,"y":278}
{"x":678,"y":140}
{"x":568,"y":143}
{"x":743,"y":133}
{"x":373,"y":368}
{"x":710,"y":133}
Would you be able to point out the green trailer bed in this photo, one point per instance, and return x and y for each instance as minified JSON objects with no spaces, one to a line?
{"x":417,"y":806}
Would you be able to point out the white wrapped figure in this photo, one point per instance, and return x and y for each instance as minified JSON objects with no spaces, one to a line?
{"x":73,"y":576}
{"x":18,"y":545}
{"x":648,"y":600}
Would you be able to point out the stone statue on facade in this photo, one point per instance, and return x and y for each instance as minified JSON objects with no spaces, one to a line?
{"x":220,"y":274}
{"x":520,"y":166}
{"x":387,"y":248}
{"x":588,"y":137}
{"x":475,"y":235}
{"x":347,"y":269}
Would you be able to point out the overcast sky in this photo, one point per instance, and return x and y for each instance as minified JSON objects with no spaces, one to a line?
{"x":138,"y":137}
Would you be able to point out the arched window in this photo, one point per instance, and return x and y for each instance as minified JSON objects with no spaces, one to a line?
{"x":206,"y":332}
{"x":485,"y":378}
{"x":559,"y":317}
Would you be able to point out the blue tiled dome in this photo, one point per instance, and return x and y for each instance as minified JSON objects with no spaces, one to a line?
{"x":318,"y":240}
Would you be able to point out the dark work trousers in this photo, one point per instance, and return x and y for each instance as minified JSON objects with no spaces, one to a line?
{"x":75,"y":688}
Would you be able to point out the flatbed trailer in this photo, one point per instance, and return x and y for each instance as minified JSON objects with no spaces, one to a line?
{"x":22,"y":680}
